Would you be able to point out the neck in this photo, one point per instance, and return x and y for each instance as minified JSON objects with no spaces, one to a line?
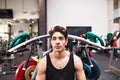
{"x":60,"y":54}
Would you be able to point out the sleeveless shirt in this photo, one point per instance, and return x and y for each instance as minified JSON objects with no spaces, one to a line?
{"x":67,"y":73}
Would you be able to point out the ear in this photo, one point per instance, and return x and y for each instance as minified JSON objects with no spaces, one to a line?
{"x":66,"y":42}
{"x":50,"y":41}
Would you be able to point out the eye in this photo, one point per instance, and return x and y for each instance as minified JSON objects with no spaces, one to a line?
{"x":54,"y":38}
{"x":61,"y":38}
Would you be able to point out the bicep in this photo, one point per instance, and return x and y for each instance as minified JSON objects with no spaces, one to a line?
{"x":79,"y":71}
{"x":40,"y":76}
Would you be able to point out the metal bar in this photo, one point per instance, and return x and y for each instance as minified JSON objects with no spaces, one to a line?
{"x":111,"y":57}
{"x":111,"y":68}
{"x":47,"y":36}
{"x":88,"y":57}
{"x":115,"y":70}
{"x":86,"y":41}
{"x":27,"y":42}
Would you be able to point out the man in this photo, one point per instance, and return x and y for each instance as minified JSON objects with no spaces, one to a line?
{"x":60,"y":64}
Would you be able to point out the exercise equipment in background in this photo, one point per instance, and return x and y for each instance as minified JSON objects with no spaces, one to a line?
{"x":9,"y":64}
{"x":112,"y":42}
{"x":28,"y":66}
{"x":94,"y":38}
{"x":111,"y":48}
{"x":19,"y":39}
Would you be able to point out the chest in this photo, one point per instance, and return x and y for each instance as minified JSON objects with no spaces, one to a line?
{"x":60,"y":63}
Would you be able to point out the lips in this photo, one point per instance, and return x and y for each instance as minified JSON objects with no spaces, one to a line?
{"x":57,"y":47}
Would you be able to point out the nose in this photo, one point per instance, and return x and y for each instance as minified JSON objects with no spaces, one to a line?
{"x":57,"y":41}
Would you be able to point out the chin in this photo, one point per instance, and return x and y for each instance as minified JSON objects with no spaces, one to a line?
{"x":59,"y":50}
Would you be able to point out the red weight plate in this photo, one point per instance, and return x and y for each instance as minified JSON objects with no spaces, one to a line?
{"x":19,"y":75}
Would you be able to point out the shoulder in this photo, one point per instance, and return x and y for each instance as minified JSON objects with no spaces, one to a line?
{"x":76,"y":58}
{"x":42,"y":63}
{"x":41,"y":69}
{"x":77,"y":62}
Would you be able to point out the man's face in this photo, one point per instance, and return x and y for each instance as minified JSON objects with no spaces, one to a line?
{"x":58,"y":42}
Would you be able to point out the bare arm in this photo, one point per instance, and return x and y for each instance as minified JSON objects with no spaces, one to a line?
{"x":79,"y":71}
{"x":41,"y":69}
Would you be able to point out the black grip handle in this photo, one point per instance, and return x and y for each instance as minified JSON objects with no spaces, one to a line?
{"x":88,"y":57}
{"x":8,"y":53}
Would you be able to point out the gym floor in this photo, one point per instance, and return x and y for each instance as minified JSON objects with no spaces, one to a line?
{"x":102,"y":60}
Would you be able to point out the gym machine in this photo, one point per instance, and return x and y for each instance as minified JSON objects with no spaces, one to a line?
{"x":32,"y":62}
{"x":112,"y":38}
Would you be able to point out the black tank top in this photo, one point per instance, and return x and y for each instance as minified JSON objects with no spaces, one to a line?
{"x":67,"y":73}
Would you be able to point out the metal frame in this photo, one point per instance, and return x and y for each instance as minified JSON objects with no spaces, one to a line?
{"x":112,"y":68}
{"x":47,"y":36}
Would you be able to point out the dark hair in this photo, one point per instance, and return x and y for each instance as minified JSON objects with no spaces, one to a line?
{"x":60,"y":29}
